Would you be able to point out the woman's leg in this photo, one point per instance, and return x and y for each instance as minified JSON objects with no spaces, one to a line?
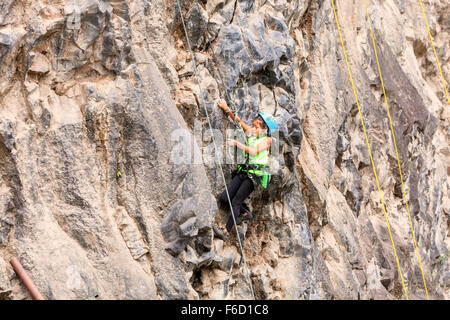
{"x":232,"y":187}
{"x":244,"y":191}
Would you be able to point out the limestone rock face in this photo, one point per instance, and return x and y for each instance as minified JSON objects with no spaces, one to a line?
{"x":96,"y":95}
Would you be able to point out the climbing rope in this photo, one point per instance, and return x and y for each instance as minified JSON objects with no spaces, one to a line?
{"x":396,"y":151}
{"x":215,"y":148}
{"x":232,"y":106}
{"x":368,"y":148}
{"x":435,"y":53}
{"x":230,"y":101}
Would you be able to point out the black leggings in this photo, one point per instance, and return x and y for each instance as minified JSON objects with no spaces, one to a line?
{"x":239,"y":189}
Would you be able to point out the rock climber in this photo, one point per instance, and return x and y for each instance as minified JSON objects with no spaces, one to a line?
{"x":251,"y":174}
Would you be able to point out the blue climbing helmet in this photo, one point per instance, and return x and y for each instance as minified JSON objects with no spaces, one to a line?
{"x":270,"y":122}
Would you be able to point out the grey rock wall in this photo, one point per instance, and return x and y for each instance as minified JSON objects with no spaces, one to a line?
{"x":95,"y":207}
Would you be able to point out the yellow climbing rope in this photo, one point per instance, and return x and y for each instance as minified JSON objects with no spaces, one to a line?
{"x":396,"y":151}
{"x":368,"y":147}
{"x":435,"y":54}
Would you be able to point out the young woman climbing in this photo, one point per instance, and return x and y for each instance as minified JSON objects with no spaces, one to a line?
{"x":251,"y":174}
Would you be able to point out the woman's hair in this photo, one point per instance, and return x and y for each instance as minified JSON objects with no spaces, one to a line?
{"x":263,"y":123}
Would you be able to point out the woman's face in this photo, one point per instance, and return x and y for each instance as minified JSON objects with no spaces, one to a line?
{"x":257,"y":128}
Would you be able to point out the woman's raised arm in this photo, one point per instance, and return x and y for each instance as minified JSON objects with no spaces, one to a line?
{"x":223,"y":105}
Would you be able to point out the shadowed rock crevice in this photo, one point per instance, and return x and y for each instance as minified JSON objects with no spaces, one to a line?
{"x":11,"y":200}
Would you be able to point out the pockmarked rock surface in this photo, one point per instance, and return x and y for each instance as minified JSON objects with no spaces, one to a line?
{"x":105,"y":187}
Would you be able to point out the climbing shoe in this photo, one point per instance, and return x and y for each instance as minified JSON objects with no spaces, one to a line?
{"x":244,"y":217}
{"x":220,"y":233}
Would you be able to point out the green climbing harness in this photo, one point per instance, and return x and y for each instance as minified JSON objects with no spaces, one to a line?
{"x":257,"y":164}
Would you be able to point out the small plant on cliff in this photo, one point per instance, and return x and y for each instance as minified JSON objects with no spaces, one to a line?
{"x":443,"y":257}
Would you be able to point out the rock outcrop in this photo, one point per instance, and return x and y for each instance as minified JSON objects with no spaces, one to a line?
{"x":96,"y":95}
